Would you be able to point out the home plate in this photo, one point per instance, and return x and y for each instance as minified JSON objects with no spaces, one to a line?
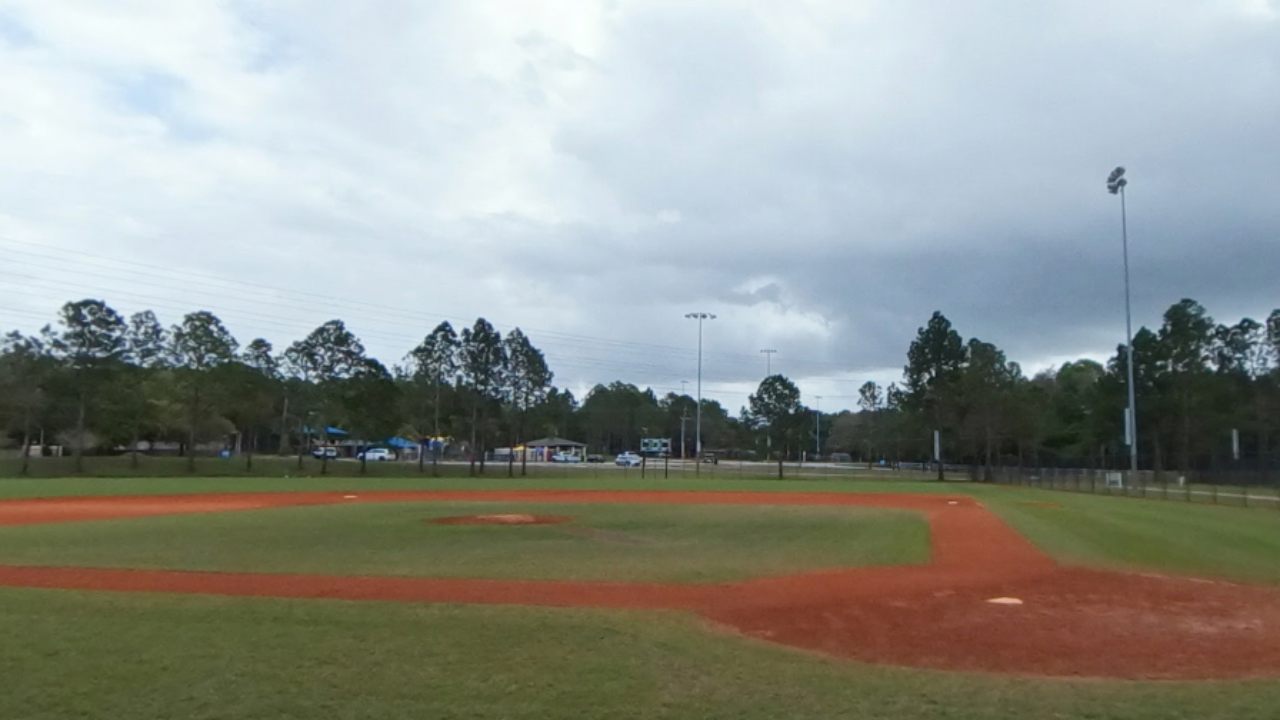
{"x":1005,"y":601}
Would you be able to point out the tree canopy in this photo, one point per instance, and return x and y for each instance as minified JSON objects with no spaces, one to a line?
{"x":97,"y":381}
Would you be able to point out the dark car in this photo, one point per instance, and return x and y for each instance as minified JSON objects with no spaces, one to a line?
{"x":595,"y":458}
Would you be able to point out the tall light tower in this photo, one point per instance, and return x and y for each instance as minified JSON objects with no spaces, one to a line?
{"x":768,"y":361}
{"x":1116,"y":184}
{"x":697,"y":431}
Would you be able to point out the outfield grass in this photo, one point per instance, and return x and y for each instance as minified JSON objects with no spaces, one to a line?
{"x":110,"y":655}
{"x":1133,"y":534}
{"x":633,"y":543}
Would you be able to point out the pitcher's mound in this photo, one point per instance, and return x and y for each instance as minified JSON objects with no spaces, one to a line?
{"x":503,"y":519}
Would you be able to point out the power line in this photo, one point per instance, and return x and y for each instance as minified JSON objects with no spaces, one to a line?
{"x":352,"y":307}
{"x":252,"y":305}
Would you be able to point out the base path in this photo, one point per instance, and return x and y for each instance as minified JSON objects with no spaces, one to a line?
{"x":1071,"y":622}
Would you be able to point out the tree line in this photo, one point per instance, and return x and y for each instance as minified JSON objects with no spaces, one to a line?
{"x":98,"y":381}
{"x":1205,"y":392}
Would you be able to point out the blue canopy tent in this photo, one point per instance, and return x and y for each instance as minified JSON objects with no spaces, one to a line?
{"x":327,"y":431}
{"x":412,"y":448}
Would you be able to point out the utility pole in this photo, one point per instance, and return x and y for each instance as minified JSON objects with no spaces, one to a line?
{"x":1116,"y":184}
{"x":817,"y":428}
{"x":768,"y":361}
{"x":684,"y":415}
{"x":697,"y":440}
{"x":284,"y":427}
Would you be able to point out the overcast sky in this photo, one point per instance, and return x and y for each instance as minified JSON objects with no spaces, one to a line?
{"x":820,"y":175}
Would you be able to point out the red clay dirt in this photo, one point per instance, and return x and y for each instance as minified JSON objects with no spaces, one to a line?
{"x":1072,"y":623}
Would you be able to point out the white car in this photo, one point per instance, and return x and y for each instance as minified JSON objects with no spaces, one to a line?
{"x":376,"y":455}
{"x":565,"y":457}
{"x":628,"y":459}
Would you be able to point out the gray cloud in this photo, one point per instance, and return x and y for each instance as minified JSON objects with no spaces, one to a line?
{"x":821,"y":175}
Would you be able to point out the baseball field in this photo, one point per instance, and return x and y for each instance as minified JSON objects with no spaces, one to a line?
{"x":585,"y":598}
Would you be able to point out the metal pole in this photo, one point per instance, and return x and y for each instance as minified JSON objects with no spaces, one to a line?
{"x":683,"y":417}
{"x":817,"y":428}
{"x":1128,"y":322}
{"x":699,"y":316}
{"x":697,"y":431}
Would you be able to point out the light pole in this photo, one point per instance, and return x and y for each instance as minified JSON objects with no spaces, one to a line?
{"x":1116,"y":184}
{"x":697,"y":426}
{"x":768,"y":361}
{"x":817,"y":428}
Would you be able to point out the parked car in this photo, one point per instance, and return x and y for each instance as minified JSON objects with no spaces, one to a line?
{"x":376,"y":455}
{"x":595,"y":458}
{"x":710,"y":458}
{"x":566,"y":457}
{"x":325,"y":451}
{"x":628,"y":459}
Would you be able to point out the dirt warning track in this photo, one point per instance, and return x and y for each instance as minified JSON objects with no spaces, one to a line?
{"x":1071,"y":623}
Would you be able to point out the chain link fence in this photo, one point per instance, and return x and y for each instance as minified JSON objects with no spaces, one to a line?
{"x":290,"y":466}
{"x":1213,"y":487}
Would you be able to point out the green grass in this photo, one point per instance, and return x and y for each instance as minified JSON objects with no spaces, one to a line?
{"x":636,"y":543}
{"x":279,"y":467}
{"x":70,"y":654}
{"x":98,"y":486}
{"x":1134,"y":534}
{"x":1100,"y":531}
{"x":110,"y":655}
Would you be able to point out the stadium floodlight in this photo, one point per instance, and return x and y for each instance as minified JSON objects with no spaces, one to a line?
{"x":768,"y":361}
{"x":1116,"y":181}
{"x":697,"y":443}
{"x":1116,"y":184}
